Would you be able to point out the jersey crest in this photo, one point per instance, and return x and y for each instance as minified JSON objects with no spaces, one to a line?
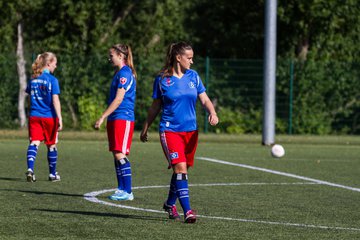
{"x":123,"y":80}
{"x":191,"y":84}
{"x":169,"y":82}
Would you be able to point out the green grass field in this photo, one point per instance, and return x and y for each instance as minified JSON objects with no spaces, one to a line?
{"x":320,"y":200}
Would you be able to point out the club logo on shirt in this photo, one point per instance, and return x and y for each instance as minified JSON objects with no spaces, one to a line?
{"x":123,"y":80}
{"x":174,"y":155}
{"x":191,"y":85}
{"x":169,"y":82}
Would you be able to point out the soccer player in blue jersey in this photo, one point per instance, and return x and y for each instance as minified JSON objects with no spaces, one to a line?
{"x":175,"y":92}
{"x":120,"y":117}
{"x":45,"y":118}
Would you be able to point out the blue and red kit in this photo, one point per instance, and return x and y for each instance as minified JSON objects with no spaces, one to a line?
{"x":123,"y":79}
{"x":178,"y":130}
{"x":178,"y":126}
{"x":120,"y":128}
{"x":120,"y":123}
{"x":41,"y":90}
{"x":43,"y":121}
{"x":179,"y":98}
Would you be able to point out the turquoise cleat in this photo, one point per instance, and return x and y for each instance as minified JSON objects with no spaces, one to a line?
{"x":120,"y":195}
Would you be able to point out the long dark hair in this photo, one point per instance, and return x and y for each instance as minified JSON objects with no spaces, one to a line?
{"x":126,"y":50}
{"x":174,"y":49}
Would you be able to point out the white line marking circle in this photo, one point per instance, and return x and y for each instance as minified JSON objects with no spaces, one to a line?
{"x":280,"y":173}
{"x":92,"y":197}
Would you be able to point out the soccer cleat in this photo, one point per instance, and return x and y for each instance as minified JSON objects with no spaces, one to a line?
{"x":54,"y":178}
{"x":172,"y":211}
{"x":120,"y":195}
{"x":190,"y":217}
{"x":30,"y":176}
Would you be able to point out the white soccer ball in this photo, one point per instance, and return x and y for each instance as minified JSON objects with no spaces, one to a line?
{"x":277,"y":151}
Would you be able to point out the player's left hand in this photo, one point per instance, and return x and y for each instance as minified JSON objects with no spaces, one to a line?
{"x":213,"y":119}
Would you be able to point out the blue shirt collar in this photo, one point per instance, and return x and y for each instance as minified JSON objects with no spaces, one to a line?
{"x":46,"y":71}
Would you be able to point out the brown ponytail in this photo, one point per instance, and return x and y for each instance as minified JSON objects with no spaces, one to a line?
{"x":126,"y":50}
{"x":173,"y":50}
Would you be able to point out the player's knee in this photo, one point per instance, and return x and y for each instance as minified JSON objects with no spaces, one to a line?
{"x":52,"y":148}
{"x":180,"y":168}
{"x":118,"y":155}
{"x":35,"y":143}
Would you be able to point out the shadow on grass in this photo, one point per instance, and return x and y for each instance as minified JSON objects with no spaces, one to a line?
{"x":44,"y":193}
{"x":102,"y":214}
{"x":12,"y":179}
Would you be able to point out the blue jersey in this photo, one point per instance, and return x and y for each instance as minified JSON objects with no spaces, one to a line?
{"x":41,"y":90}
{"x":179,"y":98}
{"x":123,"y":79}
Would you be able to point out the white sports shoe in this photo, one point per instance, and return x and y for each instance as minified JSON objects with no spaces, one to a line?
{"x":120,"y":195}
{"x":30,"y":176}
{"x":54,"y":178}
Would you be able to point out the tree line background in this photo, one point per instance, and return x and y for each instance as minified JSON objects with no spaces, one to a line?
{"x":319,"y":37}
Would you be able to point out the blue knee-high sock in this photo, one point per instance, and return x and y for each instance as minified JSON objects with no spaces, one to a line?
{"x":172,"y":191}
{"x":31,"y":156}
{"x":52,"y":156}
{"x":118,"y":175}
{"x":182,"y":191}
{"x":126,"y":174}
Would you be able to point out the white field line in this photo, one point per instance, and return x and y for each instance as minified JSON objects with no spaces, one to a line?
{"x":92,"y":197}
{"x":280,"y":173}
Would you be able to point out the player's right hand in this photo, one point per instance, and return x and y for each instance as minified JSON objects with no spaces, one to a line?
{"x":143,"y":136}
{"x":60,"y":128}
{"x":98,"y":123}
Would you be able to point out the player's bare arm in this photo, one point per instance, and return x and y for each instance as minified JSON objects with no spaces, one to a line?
{"x":112,"y":107}
{"x":57,"y":106}
{"x":209,"y":107}
{"x":152,"y":113}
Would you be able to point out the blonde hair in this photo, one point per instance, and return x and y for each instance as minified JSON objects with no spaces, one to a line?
{"x":40,"y":63}
{"x":126,"y":50}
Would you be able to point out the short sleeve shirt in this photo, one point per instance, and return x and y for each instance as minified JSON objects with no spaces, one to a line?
{"x":123,"y":79}
{"x":179,"y":98}
{"x":41,"y":91}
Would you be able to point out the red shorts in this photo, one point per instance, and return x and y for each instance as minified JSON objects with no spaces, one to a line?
{"x":43,"y":129}
{"x":120,"y":134}
{"x":179,"y":146}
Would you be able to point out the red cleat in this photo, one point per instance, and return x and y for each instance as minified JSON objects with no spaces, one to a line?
{"x":190,"y":217}
{"x":172,"y":211}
